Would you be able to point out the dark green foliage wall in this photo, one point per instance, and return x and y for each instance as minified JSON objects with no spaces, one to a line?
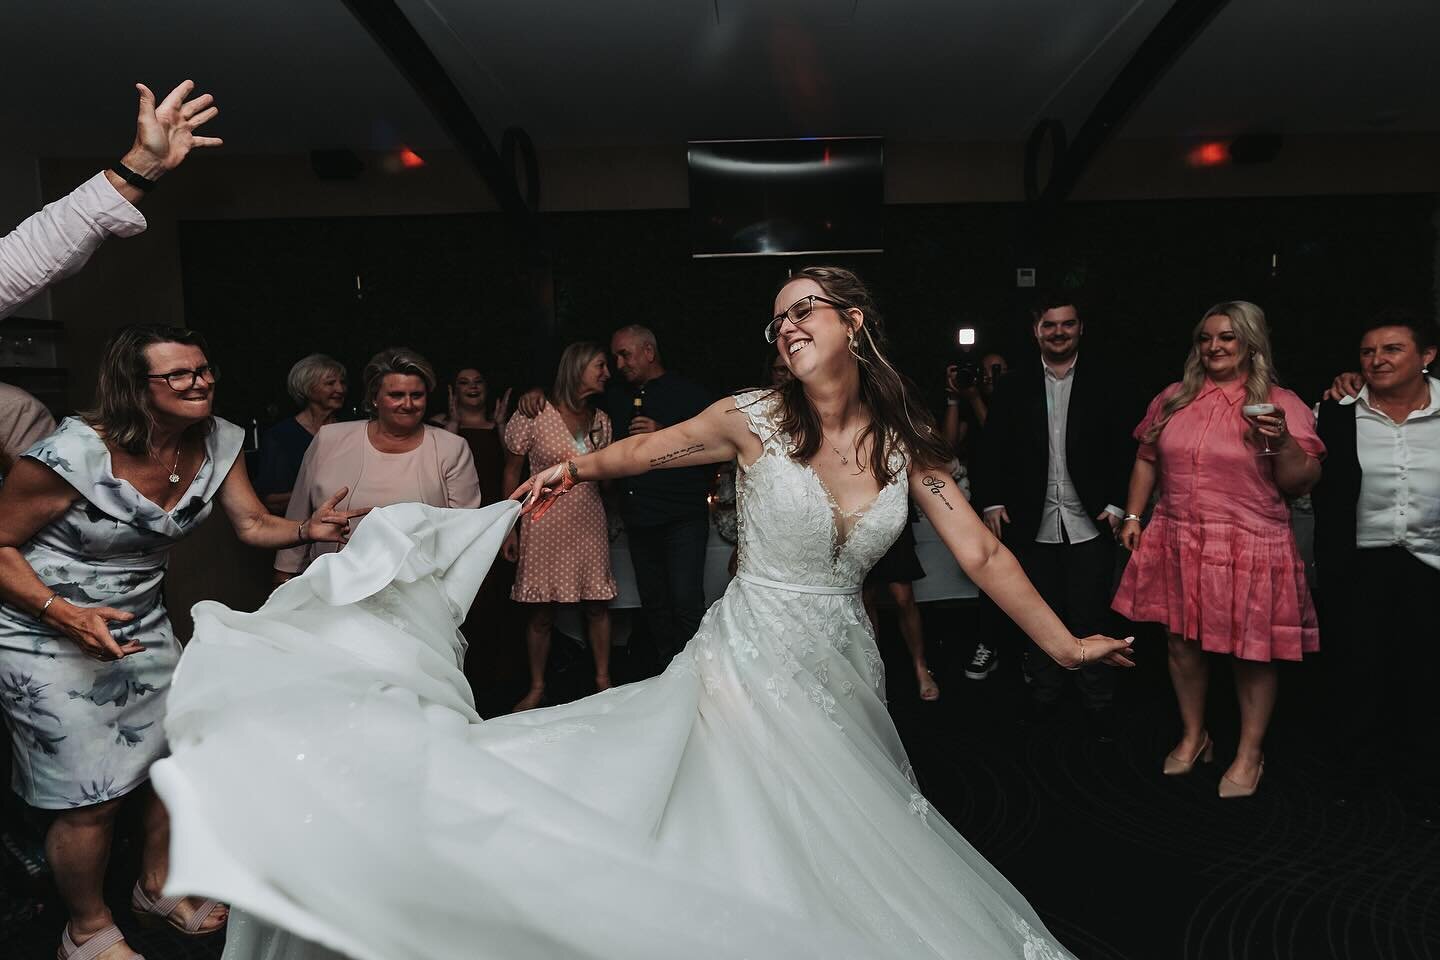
{"x":268,"y":291}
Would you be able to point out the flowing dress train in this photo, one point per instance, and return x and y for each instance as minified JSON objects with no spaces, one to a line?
{"x":331,"y":778}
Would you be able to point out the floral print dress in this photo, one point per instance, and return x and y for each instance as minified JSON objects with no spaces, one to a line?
{"x":85,"y":730}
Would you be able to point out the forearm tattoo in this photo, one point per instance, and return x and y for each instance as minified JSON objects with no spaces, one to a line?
{"x":937,"y":487}
{"x":674,"y":455}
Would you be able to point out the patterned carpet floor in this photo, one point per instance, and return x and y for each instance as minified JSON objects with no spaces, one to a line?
{"x":1122,"y":862}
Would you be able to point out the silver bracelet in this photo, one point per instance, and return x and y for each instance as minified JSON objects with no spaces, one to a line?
{"x":46,"y":606}
{"x":1130,"y":516}
{"x":300,"y":532}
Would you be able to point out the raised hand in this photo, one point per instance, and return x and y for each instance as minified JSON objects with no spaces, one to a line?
{"x":532,"y":401}
{"x":165,"y":132}
{"x":328,"y":525}
{"x":90,"y":628}
{"x":502,"y":409}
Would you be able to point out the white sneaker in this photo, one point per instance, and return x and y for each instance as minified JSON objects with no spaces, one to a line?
{"x":982,"y":663}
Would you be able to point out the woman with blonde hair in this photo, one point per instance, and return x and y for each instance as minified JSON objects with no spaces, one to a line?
{"x":1218,"y":565}
{"x":317,"y":385}
{"x":568,"y":559}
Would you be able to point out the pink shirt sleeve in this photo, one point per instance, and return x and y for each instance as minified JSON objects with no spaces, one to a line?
{"x":462,"y":483}
{"x":1299,"y":420}
{"x":56,"y":241}
{"x":1147,"y":451}
{"x":520,"y":435}
{"x":296,"y":559}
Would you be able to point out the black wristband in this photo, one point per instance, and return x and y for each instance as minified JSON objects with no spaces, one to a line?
{"x":133,"y":178}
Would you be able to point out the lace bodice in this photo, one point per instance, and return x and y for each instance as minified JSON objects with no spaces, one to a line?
{"x":790,"y":527}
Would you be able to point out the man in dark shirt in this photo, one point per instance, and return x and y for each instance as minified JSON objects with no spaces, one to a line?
{"x":666,"y":512}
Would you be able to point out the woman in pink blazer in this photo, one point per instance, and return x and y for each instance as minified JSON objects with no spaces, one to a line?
{"x":392,"y":458}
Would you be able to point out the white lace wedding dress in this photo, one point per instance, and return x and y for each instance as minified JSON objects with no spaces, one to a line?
{"x":331,"y":779}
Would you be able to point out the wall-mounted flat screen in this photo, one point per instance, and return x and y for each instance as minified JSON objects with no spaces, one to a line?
{"x":755,"y":198}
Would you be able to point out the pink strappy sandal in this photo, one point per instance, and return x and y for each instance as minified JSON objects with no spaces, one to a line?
{"x":161,"y":911}
{"x":91,"y":948}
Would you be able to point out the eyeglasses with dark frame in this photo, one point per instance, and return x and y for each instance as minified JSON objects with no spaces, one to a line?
{"x":182,"y":380}
{"x":797,"y":313}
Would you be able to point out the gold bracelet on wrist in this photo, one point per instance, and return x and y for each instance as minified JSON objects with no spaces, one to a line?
{"x":46,"y":606}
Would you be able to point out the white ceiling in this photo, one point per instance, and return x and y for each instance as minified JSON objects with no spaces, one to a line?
{"x":295,"y":75}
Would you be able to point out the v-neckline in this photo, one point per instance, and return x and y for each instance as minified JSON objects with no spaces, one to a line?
{"x":109,"y":464}
{"x":839,"y":537}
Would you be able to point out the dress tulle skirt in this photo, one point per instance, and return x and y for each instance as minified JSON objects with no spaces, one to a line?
{"x":1237,"y":590}
{"x":331,"y":778}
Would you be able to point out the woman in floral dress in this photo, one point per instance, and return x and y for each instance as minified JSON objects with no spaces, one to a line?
{"x":87,"y":520}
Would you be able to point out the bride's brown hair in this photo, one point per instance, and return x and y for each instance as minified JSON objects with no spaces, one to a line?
{"x":895,"y":418}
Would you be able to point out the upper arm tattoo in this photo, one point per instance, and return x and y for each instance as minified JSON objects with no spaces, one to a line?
{"x":937,"y":487}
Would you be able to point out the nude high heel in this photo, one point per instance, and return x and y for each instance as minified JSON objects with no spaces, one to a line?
{"x":1177,"y":767}
{"x":1230,"y":790}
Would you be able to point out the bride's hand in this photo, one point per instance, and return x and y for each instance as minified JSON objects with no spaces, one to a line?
{"x":1099,"y":648}
{"x":539,"y":493}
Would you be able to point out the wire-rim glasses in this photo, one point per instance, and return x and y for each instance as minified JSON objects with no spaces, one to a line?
{"x":797,"y":313}
{"x":182,"y":380}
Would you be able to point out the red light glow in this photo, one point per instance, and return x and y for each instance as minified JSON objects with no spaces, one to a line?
{"x":1212,"y":153}
{"x":409,"y":159}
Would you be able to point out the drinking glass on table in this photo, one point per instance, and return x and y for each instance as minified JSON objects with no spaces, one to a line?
{"x":1252,"y":410}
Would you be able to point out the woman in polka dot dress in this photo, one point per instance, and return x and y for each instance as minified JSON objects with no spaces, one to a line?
{"x":566,"y":559}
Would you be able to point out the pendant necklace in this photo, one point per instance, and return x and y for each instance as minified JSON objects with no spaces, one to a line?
{"x":174,"y":468}
{"x":844,"y":460}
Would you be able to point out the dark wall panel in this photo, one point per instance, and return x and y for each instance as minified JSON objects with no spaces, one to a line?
{"x":268,"y":291}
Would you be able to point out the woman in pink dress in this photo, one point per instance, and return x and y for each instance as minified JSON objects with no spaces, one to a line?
{"x":567,"y":560}
{"x":1217,"y":564}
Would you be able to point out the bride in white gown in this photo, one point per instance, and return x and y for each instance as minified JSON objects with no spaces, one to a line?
{"x":331,"y":779}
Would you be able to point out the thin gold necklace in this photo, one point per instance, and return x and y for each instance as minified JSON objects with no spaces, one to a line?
{"x":174,"y":467}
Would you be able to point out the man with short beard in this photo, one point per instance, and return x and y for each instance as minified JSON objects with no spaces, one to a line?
{"x":1055,"y":460}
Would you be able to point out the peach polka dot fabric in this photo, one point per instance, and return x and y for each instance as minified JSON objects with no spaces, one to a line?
{"x":565,"y":556}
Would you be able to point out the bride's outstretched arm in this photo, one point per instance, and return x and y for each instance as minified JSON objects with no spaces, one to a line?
{"x":996,"y":571}
{"x":714,"y":436}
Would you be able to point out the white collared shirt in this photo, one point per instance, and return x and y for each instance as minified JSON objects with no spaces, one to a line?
{"x":1063,"y":508}
{"x":1399,"y":478}
{"x":56,"y":241}
{"x":1062,"y":504}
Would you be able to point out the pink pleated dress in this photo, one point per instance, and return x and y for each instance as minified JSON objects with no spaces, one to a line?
{"x":1218,"y":562}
